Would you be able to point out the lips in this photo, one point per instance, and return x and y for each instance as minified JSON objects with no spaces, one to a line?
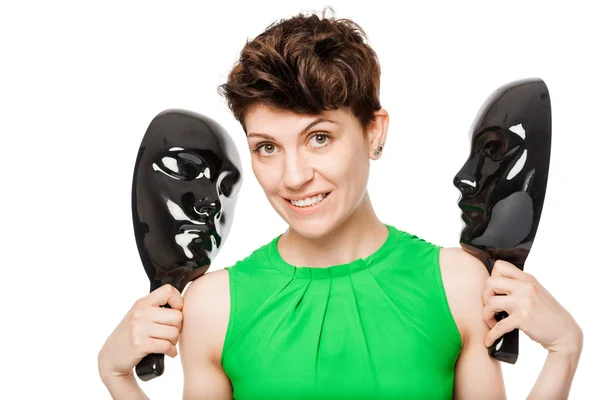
{"x":470,"y":208}
{"x":308,"y":196}
{"x":307,"y":210}
{"x":470,"y":214}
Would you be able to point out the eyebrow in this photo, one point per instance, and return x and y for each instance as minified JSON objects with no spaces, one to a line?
{"x":313,"y":123}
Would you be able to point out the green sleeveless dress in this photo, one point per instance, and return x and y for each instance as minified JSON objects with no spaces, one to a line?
{"x":374,"y":328}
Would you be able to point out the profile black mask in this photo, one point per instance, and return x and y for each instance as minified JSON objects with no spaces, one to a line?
{"x":503,"y":182}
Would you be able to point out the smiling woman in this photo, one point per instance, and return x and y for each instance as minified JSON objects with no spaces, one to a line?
{"x":307,"y":156}
{"x":341,"y":304}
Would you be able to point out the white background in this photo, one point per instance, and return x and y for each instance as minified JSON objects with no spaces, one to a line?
{"x":80,"y":82}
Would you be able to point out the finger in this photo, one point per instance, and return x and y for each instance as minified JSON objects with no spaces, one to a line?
{"x":164,"y":332}
{"x":160,"y":346}
{"x":508,"y":270}
{"x":166,"y":294}
{"x":495,"y":305}
{"x":166,"y":316}
{"x":503,"y":326}
{"x":499,"y":285}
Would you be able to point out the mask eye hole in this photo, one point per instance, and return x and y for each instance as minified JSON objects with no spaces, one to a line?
{"x":492,"y":149}
{"x":189,"y":170}
{"x":192,"y":166}
{"x":229,"y":184}
{"x":178,"y":168}
{"x":224,"y":189}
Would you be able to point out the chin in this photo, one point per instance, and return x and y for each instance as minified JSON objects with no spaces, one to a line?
{"x":472,"y":231}
{"x":311,"y":229}
{"x":465,"y":233}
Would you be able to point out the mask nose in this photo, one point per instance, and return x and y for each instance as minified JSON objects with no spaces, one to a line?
{"x":207,"y":207}
{"x":465,"y":185}
{"x":465,"y":180}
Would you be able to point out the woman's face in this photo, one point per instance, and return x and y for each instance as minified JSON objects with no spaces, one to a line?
{"x":298,"y":156}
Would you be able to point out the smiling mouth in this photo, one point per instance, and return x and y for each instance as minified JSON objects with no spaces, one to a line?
{"x":324,"y":197}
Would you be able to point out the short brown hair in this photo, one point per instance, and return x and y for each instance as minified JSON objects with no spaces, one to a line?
{"x":307,"y":65}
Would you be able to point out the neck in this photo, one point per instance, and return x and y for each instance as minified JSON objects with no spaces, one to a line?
{"x":359,"y":236}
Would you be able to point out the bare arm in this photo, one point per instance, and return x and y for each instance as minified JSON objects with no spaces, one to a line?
{"x":205,"y":317}
{"x":534,"y":311}
{"x":125,"y":387}
{"x":476,"y":374}
{"x":556,"y":376}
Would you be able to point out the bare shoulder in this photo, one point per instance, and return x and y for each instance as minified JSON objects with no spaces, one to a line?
{"x":205,"y":319}
{"x":464,"y":278}
{"x":206,"y":311}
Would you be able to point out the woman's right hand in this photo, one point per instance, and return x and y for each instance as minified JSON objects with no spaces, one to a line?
{"x":146,"y":328}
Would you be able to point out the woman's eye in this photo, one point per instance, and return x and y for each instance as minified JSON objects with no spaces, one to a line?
{"x":268,"y":148}
{"x":321,"y":139}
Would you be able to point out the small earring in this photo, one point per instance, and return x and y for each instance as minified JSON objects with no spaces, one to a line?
{"x":377,"y":151}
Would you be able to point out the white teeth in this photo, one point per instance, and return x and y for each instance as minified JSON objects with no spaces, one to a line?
{"x":309,"y":201}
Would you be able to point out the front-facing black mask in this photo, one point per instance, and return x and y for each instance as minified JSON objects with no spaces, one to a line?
{"x":186,"y":180}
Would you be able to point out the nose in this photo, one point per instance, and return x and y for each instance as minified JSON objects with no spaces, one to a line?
{"x":296,"y":171}
{"x":465,"y":180}
{"x":207,"y":207}
{"x":466,"y":186}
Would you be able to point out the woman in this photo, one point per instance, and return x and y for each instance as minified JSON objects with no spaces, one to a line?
{"x":341,"y":305}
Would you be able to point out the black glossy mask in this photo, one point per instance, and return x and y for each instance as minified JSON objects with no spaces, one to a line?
{"x":186,"y":181}
{"x":503,"y":182}
{"x":185,"y":184}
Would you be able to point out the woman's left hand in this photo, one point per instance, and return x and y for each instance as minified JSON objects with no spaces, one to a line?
{"x":531,"y":308}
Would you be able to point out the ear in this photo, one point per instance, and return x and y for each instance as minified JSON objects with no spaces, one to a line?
{"x":378,"y":132}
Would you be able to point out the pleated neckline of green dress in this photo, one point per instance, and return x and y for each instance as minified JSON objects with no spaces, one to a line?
{"x":378,"y":327}
{"x":307,"y":272}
